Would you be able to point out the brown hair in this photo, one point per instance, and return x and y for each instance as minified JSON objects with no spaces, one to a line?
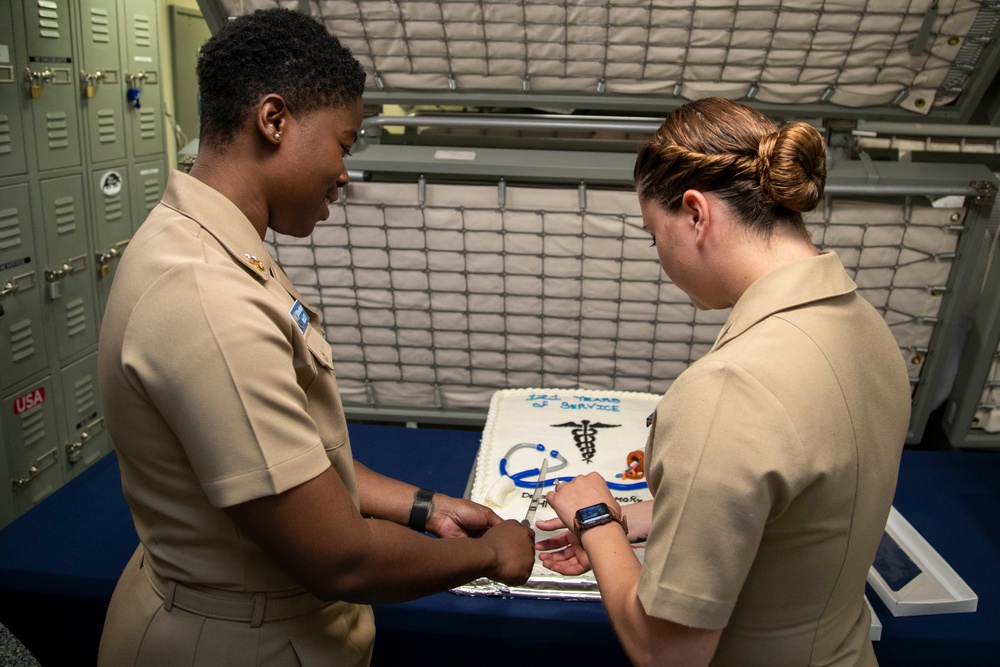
{"x":767,"y":175}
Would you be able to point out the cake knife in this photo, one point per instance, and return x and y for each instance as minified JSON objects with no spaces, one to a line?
{"x":536,"y":495}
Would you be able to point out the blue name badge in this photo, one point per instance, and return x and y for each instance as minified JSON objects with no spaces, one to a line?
{"x":300,"y":316}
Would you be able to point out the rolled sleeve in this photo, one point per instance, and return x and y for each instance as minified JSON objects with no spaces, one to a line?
{"x":227,"y":387}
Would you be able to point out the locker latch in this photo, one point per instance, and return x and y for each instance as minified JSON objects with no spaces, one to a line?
{"x":104,"y":258}
{"x":134,"y":80}
{"x":69,"y":267}
{"x":74,"y":450}
{"x":41,"y":464}
{"x":18,"y":284}
{"x":47,"y":75}
{"x":90,"y":79}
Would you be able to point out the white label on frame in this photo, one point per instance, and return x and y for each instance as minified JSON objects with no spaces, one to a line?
{"x":454,"y":155}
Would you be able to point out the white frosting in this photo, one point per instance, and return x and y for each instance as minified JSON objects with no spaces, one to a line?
{"x":578,"y":430}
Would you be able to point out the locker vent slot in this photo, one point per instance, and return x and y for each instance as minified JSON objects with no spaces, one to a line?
{"x":147,"y":123}
{"x":33,"y":426}
{"x":100,"y":31}
{"x":441,"y":290}
{"x":22,"y":340}
{"x":107,"y":126}
{"x":5,"y":140}
{"x":48,"y":19}
{"x":76,"y":317}
{"x":112,"y":209}
{"x":83,"y":393}
{"x":142,"y":31}
{"x":65,"y":215}
{"x":57,"y":129}
{"x":10,"y":229}
{"x":151,"y":193}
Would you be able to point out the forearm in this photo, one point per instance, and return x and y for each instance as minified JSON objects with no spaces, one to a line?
{"x":383,"y":497}
{"x":314,"y":533}
{"x":395,"y":564}
{"x":646,"y":639}
{"x":617,"y":571}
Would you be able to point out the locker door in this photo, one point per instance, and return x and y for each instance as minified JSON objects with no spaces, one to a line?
{"x":11,"y":130}
{"x":101,"y":80}
{"x":69,"y":277}
{"x":22,"y":333}
{"x":32,"y":439}
{"x":112,"y":223}
{"x":50,"y":95}
{"x":142,"y":72}
{"x":149,"y":180}
{"x":83,"y":416}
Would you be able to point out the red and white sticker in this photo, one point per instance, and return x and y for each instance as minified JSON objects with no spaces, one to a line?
{"x":30,"y":400}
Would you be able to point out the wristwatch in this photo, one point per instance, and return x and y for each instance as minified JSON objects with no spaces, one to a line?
{"x":596,"y":515}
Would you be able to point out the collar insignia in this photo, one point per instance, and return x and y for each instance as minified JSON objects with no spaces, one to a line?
{"x":255,"y":263}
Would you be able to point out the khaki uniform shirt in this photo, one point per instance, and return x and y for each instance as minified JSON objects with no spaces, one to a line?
{"x":218,"y":387}
{"x":773,"y":462}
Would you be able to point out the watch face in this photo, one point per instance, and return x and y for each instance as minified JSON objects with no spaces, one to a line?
{"x":592,"y":513}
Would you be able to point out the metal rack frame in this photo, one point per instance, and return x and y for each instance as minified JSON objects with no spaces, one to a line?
{"x":981,"y":347}
{"x":847,"y":177}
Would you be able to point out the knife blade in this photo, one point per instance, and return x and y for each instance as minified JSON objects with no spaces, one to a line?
{"x":536,"y":495}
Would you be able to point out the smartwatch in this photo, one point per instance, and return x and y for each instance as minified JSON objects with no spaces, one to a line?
{"x":596,"y":515}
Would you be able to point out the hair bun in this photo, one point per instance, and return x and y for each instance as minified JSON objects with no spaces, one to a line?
{"x":791,"y":167}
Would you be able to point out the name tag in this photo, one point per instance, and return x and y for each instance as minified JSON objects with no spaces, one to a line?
{"x":299,"y":316}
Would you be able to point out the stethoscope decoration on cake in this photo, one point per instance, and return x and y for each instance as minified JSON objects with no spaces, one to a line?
{"x":584,"y":437}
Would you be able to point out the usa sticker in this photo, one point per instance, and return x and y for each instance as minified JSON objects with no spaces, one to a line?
{"x":299,"y":315}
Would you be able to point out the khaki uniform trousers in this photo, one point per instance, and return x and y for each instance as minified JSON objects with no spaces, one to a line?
{"x":153,"y":622}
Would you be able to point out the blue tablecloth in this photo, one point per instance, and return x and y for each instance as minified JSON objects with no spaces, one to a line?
{"x":74,"y":545}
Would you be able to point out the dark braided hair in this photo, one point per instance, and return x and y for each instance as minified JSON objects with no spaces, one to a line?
{"x":767,"y":175}
{"x":272,"y":51}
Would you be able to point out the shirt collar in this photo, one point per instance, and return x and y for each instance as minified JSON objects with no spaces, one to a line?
{"x":221,"y":218}
{"x":789,"y":286}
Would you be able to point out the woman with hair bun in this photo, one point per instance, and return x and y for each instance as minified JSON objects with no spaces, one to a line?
{"x":772,"y":459}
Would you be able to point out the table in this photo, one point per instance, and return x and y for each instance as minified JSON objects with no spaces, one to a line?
{"x":60,"y":561}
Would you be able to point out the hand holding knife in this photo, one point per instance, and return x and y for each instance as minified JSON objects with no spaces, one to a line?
{"x":536,"y":495}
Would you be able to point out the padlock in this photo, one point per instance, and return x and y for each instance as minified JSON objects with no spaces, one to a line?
{"x":105,"y":269}
{"x":36,"y":90}
{"x":55,"y":290}
{"x":132,"y":95}
{"x":89,"y":90}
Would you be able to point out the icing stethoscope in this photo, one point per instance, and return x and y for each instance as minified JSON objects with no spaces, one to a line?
{"x":520,"y":479}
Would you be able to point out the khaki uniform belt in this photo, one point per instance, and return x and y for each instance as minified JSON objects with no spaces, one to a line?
{"x":252,"y":608}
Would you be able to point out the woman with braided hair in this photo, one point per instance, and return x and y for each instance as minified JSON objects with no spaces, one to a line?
{"x":773,"y":458}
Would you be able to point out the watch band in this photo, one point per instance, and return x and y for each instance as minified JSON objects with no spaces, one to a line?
{"x":423,"y":503}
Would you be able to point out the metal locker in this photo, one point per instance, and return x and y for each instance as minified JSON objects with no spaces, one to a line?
{"x":69,"y":286}
{"x":11,"y":129}
{"x":112,"y":223}
{"x":101,"y":80}
{"x":22,"y":333}
{"x":31,"y":435}
{"x":142,"y":77}
{"x":48,"y":88}
{"x":87,"y":440}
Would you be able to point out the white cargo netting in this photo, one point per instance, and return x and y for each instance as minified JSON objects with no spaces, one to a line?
{"x":437,"y":303}
{"x":853,"y":53}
